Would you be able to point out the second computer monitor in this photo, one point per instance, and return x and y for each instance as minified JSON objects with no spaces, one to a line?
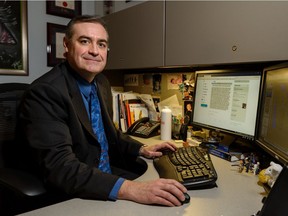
{"x":273,"y":118}
{"x":227,"y":100}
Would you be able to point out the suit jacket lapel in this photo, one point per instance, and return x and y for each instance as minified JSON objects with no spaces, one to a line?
{"x":105,"y":103}
{"x":83,"y":117}
{"x":102,"y":95}
{"x":77,"y":101}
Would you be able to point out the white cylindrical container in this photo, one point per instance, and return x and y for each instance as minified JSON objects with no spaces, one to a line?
{"x":166,"y":124}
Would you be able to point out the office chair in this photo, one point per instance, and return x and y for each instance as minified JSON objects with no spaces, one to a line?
{"x":20,"y":191}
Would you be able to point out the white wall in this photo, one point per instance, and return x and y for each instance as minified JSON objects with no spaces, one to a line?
{"x":37,"y":55}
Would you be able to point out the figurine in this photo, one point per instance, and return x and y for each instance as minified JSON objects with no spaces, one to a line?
{"x":263,"y":178}
{"x":256,"y":168}
{"x":273,"y":172}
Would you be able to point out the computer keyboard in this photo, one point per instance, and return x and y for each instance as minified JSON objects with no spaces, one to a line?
{"x":191,"y":166}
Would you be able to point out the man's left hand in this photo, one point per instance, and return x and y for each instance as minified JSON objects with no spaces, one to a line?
{"x":156,"y":150}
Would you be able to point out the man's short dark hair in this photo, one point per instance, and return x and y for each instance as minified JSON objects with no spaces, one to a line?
{"x":83,"y":19}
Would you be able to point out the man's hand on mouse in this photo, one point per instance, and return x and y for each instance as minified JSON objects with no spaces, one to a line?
{"x":156,"y":150}
{"x":165,"y":192}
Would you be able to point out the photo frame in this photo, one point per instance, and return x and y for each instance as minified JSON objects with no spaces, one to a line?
{"x":188,"y":109}
{"x":108,"y":6}
{"x":67,"y":9}
{"x":13,"y":38}
{"x":55,"y":49}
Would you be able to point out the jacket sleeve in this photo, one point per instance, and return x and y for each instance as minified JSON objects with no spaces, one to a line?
{"x":63,"y":153}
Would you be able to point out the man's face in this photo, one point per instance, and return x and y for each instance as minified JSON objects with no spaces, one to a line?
{"x":87,"y":50}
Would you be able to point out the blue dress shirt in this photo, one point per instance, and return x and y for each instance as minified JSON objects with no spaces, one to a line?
{"x":85,"y":89}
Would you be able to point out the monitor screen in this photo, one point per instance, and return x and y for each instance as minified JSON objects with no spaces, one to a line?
{"x":273,"y":118}
{"x":227,"y":101}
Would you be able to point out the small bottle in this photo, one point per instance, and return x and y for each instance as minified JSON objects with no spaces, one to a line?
{"x":189,"y":132}
{"x":166,"y":124}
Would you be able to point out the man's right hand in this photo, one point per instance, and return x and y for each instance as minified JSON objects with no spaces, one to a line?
{"x":165,"y":192}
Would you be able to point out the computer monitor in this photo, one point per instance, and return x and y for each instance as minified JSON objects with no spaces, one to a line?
{"x":227,"y":101}
{"x":273,"y":119}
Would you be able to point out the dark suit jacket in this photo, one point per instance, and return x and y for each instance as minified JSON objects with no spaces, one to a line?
{"x":55,"y":125}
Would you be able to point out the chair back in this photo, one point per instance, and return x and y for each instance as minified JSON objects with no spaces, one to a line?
{"x":10,"y":97}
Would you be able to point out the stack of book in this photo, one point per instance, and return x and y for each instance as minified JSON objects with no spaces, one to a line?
{"x":233,"y":151}
{"x":129,"y":107}
{"x":223,"y":152}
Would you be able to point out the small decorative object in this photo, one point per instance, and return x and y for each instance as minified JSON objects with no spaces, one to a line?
{"x":256,"y":168}
{"x":187,"y":86}
{"x":273,"y":172}
{"x":263,"y":178}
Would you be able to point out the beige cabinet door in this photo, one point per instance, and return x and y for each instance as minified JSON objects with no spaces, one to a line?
{"x":137,"y":36}
{"x":201,"y":32}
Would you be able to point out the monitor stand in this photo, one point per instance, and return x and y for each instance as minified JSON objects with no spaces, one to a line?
{"x":216,"y":138}
{"x":228,"y":142}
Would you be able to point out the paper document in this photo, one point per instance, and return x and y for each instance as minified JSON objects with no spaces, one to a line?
{"x":173,"y":103}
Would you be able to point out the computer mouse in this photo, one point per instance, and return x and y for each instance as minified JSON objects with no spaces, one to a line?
{"x":187,"y":199}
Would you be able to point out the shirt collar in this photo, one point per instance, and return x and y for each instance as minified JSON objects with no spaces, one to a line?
{"x":85,"y":87}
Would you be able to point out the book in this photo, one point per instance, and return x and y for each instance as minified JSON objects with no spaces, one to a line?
{"x":122,"y":114}
{"x":115,"y":105}
{"x":219,"y":153}
{"x":143,"y":106}
{"x":128,"y":114}
{"x":225,"y":155}
{"x":138,"y":111}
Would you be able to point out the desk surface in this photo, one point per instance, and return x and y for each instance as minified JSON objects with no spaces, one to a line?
{"x":237,"y":194}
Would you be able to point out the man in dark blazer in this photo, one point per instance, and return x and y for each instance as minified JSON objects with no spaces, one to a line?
{"x":55,"y":123}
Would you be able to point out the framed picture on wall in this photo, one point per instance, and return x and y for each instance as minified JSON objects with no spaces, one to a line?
{"x":13,"y":38}
{"x":55,"y":49}
{"x":67,"y":9}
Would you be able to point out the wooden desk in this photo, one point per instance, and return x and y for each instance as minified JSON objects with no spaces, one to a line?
{"x":237,"y":194}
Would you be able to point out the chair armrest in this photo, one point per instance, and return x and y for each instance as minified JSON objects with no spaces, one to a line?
{"x":21,"y":182}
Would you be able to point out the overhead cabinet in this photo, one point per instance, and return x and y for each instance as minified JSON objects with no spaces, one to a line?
{"x":137,"y":36}
{"x":201,"y":32}
{"x":174,"y":33}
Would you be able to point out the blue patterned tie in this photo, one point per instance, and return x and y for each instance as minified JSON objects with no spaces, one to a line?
{"x":98,"y":129}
